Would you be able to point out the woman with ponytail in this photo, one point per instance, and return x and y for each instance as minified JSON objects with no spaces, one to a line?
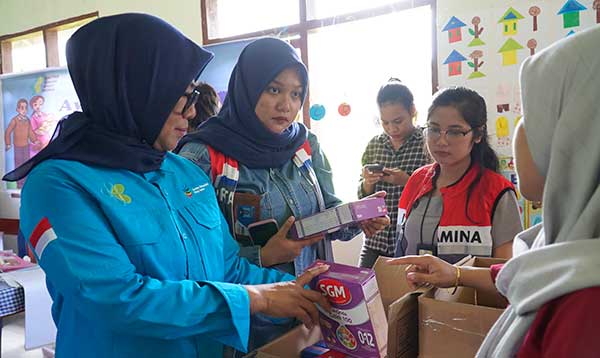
{"x":459,"y":205}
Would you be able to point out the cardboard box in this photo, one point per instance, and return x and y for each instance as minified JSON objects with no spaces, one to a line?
{"x":333,"y":219}
{"x":400,"y":305}
{"x":455,"y":325}
{"x":356,"y":324}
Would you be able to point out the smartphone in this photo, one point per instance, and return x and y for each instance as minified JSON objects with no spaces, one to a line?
{"x":375,"y":168}
{"x":262,"y":231}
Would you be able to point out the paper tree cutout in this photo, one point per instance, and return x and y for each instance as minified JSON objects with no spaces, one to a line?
{"x":476,"y":31}
{"x":570,"y":12}
{"x":534,"y":11}
{"x":475,"y":64}
{"x":509,"y":52}
{"x":509,"y":21}
{"x":596,"y":7}
{"x":453,"y":27}
{"x":531,"y":45}
{"x":454,"y":62}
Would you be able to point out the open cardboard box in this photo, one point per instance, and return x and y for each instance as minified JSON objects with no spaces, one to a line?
{"x":455,"y":325}
{"x":401,"y":307}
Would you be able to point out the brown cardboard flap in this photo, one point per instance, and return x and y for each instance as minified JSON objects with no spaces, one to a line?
{"x":401,"y":306}
{"x":291,"y":344}
{"x":391,"y":280}
{"x":452,"y":328}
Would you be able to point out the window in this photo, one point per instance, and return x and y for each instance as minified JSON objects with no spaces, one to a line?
{"x":28,"y":52}
{"x":40,"y":47}
{"x":318,"y":9}
{"x":351,"y":47}
{"x":355,"y":80}
{"x":234,"y":17}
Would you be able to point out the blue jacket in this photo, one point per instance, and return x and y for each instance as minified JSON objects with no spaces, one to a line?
{"x":143,"y":264}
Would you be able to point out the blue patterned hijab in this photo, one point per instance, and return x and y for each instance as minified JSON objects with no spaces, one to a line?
{"x":236,"y":131}
{"x":129,"y":71}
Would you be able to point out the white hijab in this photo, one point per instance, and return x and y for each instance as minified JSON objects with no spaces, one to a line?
{"x":561,"y":105}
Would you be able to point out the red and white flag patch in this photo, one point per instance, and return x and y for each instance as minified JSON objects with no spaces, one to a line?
{"x":41,"y":236}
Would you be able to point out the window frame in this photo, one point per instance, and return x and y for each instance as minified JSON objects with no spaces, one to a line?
{"x":50,"y":37}
{"x":304,"y":26}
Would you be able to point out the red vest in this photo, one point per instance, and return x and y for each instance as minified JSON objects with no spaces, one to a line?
{"x":458,"y":233}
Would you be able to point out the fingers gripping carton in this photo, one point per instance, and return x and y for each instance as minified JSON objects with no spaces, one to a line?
{"x":357,"y":324}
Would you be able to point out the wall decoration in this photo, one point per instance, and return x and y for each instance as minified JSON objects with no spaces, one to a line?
{"x":32,"y":105}
{"x":570,"y":12}
{"x":454,"y":62}
{"x":476,"y":31}
{"x":475,"y":64}
{"x":517,"y":120}
{"x":509,"y":52}
{"x":317,"y":112}
{"x":531,"y":45}
{"x":344,"y":109}
{"x":509,"y":21}
{"x":534,"y":11}
{"x":453,"y":27}
{"x":596,"y":6}
{"x":502,"y":131}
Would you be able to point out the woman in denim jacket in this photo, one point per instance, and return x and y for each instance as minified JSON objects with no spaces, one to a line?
{"x":264,"y":164}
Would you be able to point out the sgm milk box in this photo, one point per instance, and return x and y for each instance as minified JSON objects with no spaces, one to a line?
{"x":357,"y":323}
{"x":340,"y":216}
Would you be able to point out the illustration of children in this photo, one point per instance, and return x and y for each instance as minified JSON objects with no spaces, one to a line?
{"x":42,"y":124}
{"x":18,"y":134}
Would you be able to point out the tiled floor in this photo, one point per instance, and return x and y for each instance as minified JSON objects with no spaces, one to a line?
{"x":13,"y":339}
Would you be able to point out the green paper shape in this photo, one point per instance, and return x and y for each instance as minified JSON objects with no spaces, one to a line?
{"x":570,"y":19}
{"x":472,"y":32}
{"x":471,"y":64}
{"x":476,"y":42}
{"x":476,"y":75}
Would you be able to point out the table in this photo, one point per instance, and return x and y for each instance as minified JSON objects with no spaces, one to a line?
{"x":12,"y":301}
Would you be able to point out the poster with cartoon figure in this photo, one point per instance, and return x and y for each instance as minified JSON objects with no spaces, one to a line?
{"x":32,"y":105}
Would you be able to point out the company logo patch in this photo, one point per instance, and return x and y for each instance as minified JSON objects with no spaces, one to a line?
{"x":195,"y":190}
{"x":117,"y":191}
{"x":335,"y":291}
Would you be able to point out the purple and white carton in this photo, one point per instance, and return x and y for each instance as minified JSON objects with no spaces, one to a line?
{"x":357,"y":324}
{"x":338,"y":217}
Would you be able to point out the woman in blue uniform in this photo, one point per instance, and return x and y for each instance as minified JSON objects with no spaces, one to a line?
{"x":138,"y":258}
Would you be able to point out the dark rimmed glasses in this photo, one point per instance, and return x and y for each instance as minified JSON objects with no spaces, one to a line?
{"x":452,"y":134}
{"x":191,"y":99}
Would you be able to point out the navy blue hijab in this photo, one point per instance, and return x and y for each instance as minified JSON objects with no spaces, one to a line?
{"x":129,"y":71}
{"x":236,"y":131}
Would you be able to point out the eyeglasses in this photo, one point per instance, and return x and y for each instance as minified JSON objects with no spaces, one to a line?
{"x":192,"y":98}
{"x":434,"y":133}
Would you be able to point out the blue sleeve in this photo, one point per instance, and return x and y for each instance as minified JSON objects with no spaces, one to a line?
{"x":325,"y":176}
{"x":89,"y":268}
{"x":198,"y":153}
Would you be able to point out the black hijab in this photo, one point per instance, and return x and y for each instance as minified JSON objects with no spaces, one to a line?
{"x":236,"y":131}
{"x":129,"y":71}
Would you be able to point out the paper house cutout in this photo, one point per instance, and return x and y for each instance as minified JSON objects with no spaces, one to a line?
{"x":509,"y":52}
{"x":453,"y":27}
{"x":454,"y":62}
{"x":509,"y":21}
{"x":570,"y":12}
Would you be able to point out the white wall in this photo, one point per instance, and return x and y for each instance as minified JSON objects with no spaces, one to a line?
{"x":22,"y":15}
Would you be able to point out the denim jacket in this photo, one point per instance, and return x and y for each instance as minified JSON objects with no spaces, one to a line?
{"x":283,"y":192}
